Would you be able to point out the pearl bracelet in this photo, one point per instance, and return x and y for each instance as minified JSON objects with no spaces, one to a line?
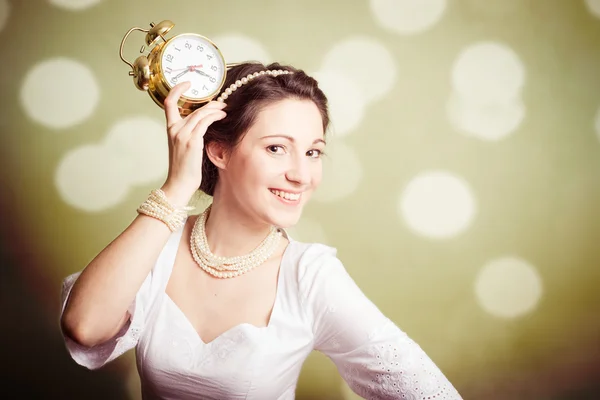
{"x":157,"y":206}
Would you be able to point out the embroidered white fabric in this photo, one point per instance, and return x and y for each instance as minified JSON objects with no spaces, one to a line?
{"x":318,"y":307}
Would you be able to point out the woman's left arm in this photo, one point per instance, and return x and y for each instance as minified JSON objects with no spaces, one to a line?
{"x":375,"y":357}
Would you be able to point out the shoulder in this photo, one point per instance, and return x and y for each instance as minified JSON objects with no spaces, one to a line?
{"x":312,"y":262}
{"x":324,"y":285}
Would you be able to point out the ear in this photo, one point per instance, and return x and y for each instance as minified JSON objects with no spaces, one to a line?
{"x":217,"y":154}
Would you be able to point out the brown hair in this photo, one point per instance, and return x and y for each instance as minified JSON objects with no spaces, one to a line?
{"x":245,"y":103}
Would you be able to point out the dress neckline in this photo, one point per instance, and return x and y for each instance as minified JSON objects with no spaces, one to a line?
{"x":175,"y":241}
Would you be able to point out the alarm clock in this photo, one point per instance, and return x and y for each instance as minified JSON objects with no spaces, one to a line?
{"x":184,"y":57}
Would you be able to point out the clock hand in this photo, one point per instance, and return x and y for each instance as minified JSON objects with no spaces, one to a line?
{"x":202,"y":73}
{"x":189,"y":68}
{"x":181,"y":74}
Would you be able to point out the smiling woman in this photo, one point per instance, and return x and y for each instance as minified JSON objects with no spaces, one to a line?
{"x":226,"y":305}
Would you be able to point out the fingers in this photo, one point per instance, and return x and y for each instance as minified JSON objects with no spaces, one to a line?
{"x":182,"y":122}
{"x":171,"y":108}
{"x":215,"y":104}
{"x":192,"y":120}
{"x":183,"y":128}
{"x":201,"y":127}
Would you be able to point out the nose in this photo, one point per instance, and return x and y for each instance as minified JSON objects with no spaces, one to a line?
{"x":299,"y":171}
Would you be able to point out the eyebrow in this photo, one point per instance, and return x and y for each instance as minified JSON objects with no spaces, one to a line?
{"x":291,"y":139}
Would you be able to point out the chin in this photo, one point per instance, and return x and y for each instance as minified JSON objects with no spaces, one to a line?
{"x":282,"y":219}
{"x":285,"y":214}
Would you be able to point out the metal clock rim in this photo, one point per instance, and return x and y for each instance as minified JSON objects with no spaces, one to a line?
{"x":162,"y":73}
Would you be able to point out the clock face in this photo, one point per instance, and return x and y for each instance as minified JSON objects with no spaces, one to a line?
{"x":193,"y":58}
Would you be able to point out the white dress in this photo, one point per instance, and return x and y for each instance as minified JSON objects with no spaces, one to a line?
{"x":318,"y":307}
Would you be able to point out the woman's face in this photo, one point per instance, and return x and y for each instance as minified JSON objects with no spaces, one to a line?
{"x":273,"y":171}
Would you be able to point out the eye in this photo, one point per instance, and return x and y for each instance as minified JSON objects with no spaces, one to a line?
{"x":273,"y":149}
{"x":314,"y":153}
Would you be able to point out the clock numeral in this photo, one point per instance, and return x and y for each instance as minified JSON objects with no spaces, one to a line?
{"x":204,"y":87}
{"x":209,"y":56}
{"x":188,"y":45}
{"x":195,"y":92}
{"x":200,"y":48}
{"x":168,"y":70}
{"x":213,"y":80}
{"x":176,"y":48}
{"x":214,"y":67}
{"x":169,"y":58}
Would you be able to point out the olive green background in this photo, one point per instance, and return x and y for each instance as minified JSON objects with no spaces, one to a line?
{"x":533,"y":194}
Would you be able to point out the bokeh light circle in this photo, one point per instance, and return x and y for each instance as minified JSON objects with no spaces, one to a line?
{"x":487,"y":121}
{"x":437,"y":204}
{"x":142,"y":141}
{"x":488,"y":72}
{"x":345,"y":101}
{"x":60,"y":93}
{"x":91,"y":178}
{"x":380,"y":63}
{"x":408,"y":17}
{"x":508,"y":287}
{"x":74,"y":5}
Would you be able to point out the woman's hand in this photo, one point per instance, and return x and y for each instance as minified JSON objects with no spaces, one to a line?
{"x":186,"y":144}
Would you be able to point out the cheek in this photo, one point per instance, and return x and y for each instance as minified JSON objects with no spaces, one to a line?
{"x":249,"y":162}
{"x":317,"y":174}
{"x":258,"y":169}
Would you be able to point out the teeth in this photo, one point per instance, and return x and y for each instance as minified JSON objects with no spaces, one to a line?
{"x":285,"y":195}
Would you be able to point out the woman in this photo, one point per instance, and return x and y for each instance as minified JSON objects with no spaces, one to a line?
{"x":226,"y":305}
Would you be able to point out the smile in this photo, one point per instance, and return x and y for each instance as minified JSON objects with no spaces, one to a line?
{"x":288,"y":197}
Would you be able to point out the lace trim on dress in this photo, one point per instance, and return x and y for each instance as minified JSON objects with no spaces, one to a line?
{"x":397,"y":369}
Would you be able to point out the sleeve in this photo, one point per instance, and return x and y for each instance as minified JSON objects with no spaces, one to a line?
{"x":126,"y":339}
{"x":375,"y":358}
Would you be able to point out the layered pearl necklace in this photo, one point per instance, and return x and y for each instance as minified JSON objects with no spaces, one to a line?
{"x":229,"y":267}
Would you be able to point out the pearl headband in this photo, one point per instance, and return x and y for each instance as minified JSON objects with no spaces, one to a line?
{"x":233,"y":87}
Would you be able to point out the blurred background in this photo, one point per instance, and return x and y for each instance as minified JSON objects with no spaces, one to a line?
{"x":461,"y":187}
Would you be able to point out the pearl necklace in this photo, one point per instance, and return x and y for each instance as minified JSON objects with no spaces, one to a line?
{"x":228,"y":267}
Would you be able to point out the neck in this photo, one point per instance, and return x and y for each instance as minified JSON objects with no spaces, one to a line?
{"x":230,"y":232}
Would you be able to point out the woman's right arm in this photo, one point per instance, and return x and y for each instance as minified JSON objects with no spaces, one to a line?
{"x":98,"y":302}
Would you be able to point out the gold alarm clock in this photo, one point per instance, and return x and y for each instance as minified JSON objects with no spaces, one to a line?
{"x":185,"y":57}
